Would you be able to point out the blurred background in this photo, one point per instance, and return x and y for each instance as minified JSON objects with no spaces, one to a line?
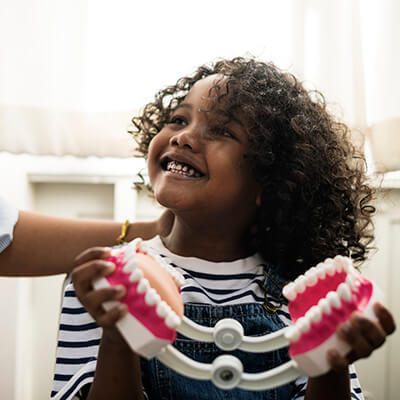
{"x":73,"y":73}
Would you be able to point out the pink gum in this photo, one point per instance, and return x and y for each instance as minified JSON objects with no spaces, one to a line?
{"x":310,"y":297}
{"x":321,"y":331}
{"x":134,"y":300}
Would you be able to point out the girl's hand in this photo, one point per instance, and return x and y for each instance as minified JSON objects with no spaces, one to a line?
{"x":363,"y":335}
{"x":91,"y":264}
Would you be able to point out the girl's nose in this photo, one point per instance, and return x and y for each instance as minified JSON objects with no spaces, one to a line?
{"x":186,"y":138}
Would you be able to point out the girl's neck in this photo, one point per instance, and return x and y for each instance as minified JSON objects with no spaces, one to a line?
{"x":213,"y":243}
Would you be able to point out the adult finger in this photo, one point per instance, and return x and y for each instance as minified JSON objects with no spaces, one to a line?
{"x":92,"y":254}
{"x":385,"y":318}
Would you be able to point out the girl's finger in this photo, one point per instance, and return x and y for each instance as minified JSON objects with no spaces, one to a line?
{"x":351,"y":333}
{"x":371,"y":331}
{"x":385,"y":318}
{"x":336,"y":361}
{"x":94,"y":299}
{"x":109,"y":318}
{"x":92,"y":254}
{"x":83,"y":276}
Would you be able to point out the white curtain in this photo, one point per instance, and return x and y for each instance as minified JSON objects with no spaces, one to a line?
{"x":73,"y":72}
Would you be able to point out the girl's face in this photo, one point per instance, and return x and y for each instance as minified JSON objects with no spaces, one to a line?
{"x":195,"y":166}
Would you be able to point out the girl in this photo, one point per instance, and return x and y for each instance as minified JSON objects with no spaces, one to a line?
{"x":263,"y":184}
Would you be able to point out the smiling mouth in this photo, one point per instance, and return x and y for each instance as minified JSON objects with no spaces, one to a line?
{"x":181,"y":168}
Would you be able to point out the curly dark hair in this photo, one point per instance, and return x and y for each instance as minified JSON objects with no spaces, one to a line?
{"x":315,"y":202}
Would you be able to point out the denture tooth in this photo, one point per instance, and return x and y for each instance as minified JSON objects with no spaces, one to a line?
{"x":162,"y":309}
{"x":300,"y":283}
{"x":303,"y":324}
{"x":289,"y":291}
{"x":344,"y":262}
{"x":329,"y":267}
{"x":351,"y":280}
{"x":321,"y":273}
{"x":136,"y":275}
{"x":344,"y":291}
{"x":324,"y":305}
{"x":131,"y":265}
{"x":143,"y":285}
{"x":152,"y":297}
{"x":334,"y":299}
{"x":292,"y":334}
{"x":311,"y":277}
{"x":172,"y":320}
{"x":315,"y":314}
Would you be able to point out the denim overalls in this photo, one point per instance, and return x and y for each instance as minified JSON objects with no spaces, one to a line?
{"x":162,"y":383}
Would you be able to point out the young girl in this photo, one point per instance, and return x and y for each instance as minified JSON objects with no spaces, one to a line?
{"x":263,"y":184}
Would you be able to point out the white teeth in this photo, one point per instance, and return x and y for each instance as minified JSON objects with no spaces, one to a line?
{"x":143,"y":285}
{"x":351,"y":280}
{"x":344,"y":262}
{"x":172,"y":320}
{"x":163,"y":309}
{"x":324,"y":305}
{"x":292,"y":334}
{"x":289,"y":291}
{"x":185,"y":168}
{"x":136,"y":275}
{"x":152,"y":297}
{"x":303,"y":324}
{"x":329,"y":267}
{"x":311,"y":277}
{"x":300,"y":283}
{"x":344,"y":291}
{"x":191,"y":172}
{"x":333,"y":299}
{"x":315,"y":314}
{"x":321,"y":273}
{"x":178,"y":167}
{"x":131,"y":265}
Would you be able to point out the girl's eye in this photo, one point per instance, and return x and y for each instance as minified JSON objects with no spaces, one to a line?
{"x":224,"y":132}
{"x":176,"y":120}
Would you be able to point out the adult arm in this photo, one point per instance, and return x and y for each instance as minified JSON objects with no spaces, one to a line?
{"x":45,"y":245}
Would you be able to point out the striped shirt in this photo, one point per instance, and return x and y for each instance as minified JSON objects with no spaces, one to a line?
{"x":222,"y":283}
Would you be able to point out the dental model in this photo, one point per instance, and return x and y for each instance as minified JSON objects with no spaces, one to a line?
{"x":152,"y":297}
{"x":321,"y":299}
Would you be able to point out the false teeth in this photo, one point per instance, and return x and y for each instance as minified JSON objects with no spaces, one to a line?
{"x":143,"y":285}
{"x":163,"y":309}
{"x":289,"y":291}
{"x":333,"y":299}
{"x":172,"y":320}
{"x":303,"y":323}
{"x":131,"y":265}
{"x":344,"y":291}
{"x":325,"y":306}
{"x":311,"y":277}
{"x":329,"y":267}
{"x":152,"y":297}
{"x":300,"y":284}
{"x":292,"y":334}
{"x":136,"y":275}
{"x":315,"y":314}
